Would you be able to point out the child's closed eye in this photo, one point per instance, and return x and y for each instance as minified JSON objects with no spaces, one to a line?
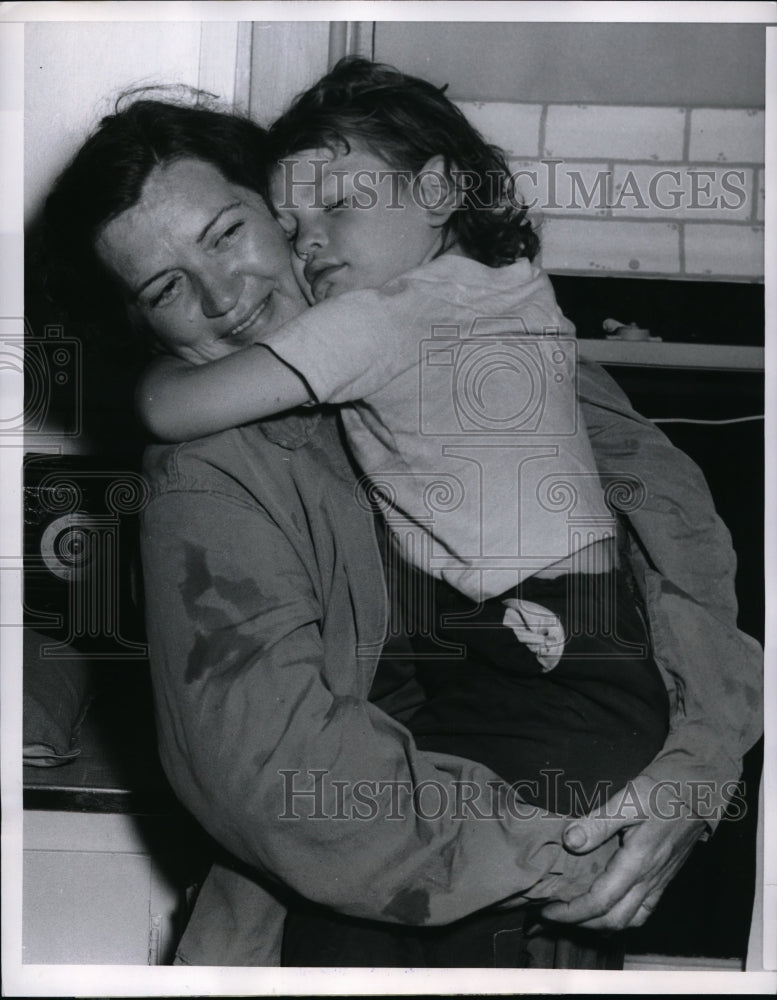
{"x":288,"y":226}
{"x":342,"y":203}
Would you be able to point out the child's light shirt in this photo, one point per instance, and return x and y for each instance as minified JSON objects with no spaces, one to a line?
{"x":464,"y":415}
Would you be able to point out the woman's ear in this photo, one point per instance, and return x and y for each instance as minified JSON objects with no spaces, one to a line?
{"x":435,"y":189}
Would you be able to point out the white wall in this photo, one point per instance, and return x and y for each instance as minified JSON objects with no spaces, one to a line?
{"x":706,"y":65}
{"x":74,"y":71}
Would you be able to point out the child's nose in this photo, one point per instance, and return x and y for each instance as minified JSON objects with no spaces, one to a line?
{"x":309,"y":239}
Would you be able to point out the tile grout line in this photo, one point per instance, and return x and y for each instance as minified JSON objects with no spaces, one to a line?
{"x":611,"y":104}
{"x":592,"y":158}
{"x":543,"y":129}
{"x":687,"y":135}
{"x":653,"y":221}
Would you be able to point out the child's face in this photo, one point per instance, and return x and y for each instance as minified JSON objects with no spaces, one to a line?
{"x":354,"y":222}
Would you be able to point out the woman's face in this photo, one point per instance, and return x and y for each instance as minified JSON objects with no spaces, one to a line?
{"x":202,"y":262}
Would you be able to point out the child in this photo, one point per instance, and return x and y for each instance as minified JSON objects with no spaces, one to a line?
{"x":446,"y":344}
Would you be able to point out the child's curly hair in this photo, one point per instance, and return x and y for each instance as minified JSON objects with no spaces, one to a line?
{"x":406,"y":121}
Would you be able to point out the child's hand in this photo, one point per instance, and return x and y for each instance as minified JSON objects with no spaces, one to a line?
{"x":536,"y":627}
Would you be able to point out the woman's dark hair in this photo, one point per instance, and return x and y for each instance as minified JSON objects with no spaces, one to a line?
{"x":406,"y":121}
{"x":106,"y":177}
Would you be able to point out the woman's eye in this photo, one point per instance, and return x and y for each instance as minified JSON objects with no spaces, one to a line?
{"x":229,"y":234}
{"x":342,"y":203}
{"x":165,"y":294}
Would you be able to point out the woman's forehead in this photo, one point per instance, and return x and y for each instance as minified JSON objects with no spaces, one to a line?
{"x":194,"y":185}
{"x":179,"y":204}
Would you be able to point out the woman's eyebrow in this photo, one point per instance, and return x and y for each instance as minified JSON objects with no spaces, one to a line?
{"x":136,"y":293}
{"x":215,"y":219}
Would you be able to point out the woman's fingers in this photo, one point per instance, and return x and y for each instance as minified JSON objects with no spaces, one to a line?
{"x":626,"y":807}
{"x":636,"y":905}
{"x":628,"y":890}
{"x":614,"y":893}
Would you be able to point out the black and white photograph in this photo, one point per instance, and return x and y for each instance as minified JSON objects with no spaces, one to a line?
{"x":435,"y":671}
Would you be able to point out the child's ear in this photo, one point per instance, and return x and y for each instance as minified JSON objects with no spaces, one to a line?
{"x":436,"y":189}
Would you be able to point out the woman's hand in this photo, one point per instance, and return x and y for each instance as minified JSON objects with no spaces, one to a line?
{"x":652,"y":851}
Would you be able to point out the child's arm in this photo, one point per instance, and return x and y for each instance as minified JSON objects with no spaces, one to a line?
{"x":178,"y":401}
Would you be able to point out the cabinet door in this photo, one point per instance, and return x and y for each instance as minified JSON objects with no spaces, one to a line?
{"x":90,"y":909}
{"x":94,"y":891}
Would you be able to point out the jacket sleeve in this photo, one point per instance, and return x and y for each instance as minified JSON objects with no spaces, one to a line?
{"x":683,"y":561}
{"x":300,"y":779}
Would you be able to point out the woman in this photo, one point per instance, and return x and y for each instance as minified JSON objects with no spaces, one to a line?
{"x":266,"y":607}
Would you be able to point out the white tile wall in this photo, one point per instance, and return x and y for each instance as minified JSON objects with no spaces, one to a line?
{"x":592,"y":176}
{"x":631,"y":247}
{"x":550,"y":187}
{"x":727,"y":135}
{"x":703,"y":191}
{"x":724,"y":250}
{"x":621,"y":133}
{"x":514,"y":127}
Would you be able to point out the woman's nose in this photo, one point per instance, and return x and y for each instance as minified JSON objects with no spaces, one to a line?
{"x":219,"y":292}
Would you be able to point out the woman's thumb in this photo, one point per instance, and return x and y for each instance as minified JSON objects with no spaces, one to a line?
{"x":575,"y":837}
{"x":586,"y":834}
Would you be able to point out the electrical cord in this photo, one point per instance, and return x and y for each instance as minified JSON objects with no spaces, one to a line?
{"x":691,"y":420}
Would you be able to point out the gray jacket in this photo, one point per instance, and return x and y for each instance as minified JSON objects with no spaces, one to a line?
{"x":266,"y":607}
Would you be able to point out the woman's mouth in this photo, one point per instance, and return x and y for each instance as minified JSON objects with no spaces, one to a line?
{"x":249,"y":321}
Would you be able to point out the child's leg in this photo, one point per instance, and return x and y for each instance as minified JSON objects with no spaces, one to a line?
{"x":585,"y":727}
{"x":573,"y":736}
{"x":314,"y":936}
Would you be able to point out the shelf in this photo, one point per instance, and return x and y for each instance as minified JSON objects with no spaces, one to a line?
{"x":662,"y":354}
